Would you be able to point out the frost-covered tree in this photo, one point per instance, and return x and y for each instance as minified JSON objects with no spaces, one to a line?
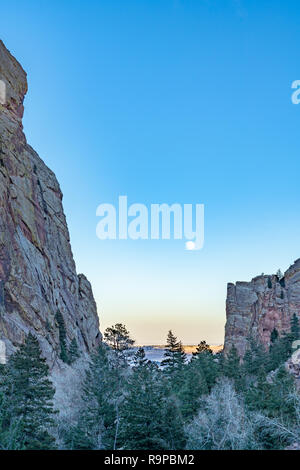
{"x":222,"y":422}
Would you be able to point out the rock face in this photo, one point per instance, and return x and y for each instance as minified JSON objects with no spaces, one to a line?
{"x":293,"y":364}
{"x":256,"y":307}
{"x":37,"y":270}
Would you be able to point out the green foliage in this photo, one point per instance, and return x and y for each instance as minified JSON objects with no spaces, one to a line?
{"x":62,"y":336}
{"x":254,"y":359}
{"x":174,"y":357}
{"x":73,"y":352}
{"x":118,"y":337}
{"x":96,"y":416}
{"x":97,"y":426}
{"x":10,"y":425}
{"x":29,"y":393}
{"x":280,"y":351}
{"x":202,"y":347}
{"x":295,"y":328}
{"x":232,"y":367}
{"x":269,"y":283}
{"x":194,"y":387}
{"x":282,"y":295}
{"x":209,"y":366}
{"x":282,"y":282}
{"x":210,"y":402}
{"x":145,"y":414}
{"x":274,"y":336}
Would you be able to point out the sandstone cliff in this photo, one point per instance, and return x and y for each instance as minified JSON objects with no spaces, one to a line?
{"x":256,"y":307}
{"x":37,"y":270}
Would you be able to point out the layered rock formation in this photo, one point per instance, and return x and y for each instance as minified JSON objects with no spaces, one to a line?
{"x":257,"y":307}
{"x":37,"y":270}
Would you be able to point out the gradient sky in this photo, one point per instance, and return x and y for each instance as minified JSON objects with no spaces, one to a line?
{"x":184,"y":101}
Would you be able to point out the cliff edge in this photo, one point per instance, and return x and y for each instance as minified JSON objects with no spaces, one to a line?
{"x":37,"y":271}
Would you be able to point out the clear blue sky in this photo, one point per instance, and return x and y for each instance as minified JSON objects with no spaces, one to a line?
{"x":183,"y":101}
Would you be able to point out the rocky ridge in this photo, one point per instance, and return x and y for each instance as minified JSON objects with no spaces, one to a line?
{"x":257,"y":307}
{"x":37,"y":270}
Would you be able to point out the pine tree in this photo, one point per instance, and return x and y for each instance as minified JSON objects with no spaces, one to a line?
{"x":150,"y":417}
{"x":140,"y":359}
{"x":174,"y":357}
{"x":118,"y":337}
{"x":141,"y":423}
{"x":94,"y":429}
{"x":201,"y":348}
{"x":279,"y":274}
{"x":62,"y":336}
{"x":257,"y":396}
{"x":173,"y":423}
{"x":274,"y":336}
{"x":103,"y":392}
{"x":280,"y":351}
{"x":10,"y":428}
{"x":269,"y":397}
{"x":209,"y":366}
{"x":31,"y":395}
{"x":73,"y":352}
{"x":232,"y":363}
{"x":232,"y":367}
{"x":254,"y":358}
{"x":194,"y":387}
{"x":295,"y":328}
{"x":283,"y":385}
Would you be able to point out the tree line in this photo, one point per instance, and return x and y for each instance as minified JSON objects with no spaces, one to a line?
{"x":213,"y":401}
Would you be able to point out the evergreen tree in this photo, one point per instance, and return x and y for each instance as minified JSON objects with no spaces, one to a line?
{"x":194,"y":387}
{"x":103,"y":392}
{"x":258,"y":395}
{"x":202,"y":347}
{"x":254,"y":359}
{"x":73,"y":353}
{"x":62,"y":336}
{"x":274,"y":336}
{"x":209,"y":367}
{"x":280,"y":351}
{"x":174,"y":357}
{"x":31,"y":395}
{"x":142,"y":423}
{"x":232,"y":367}
{"x":269,"y":397}
{"x":118,"y":337}
{"x":269,"y":394}
{"x":174,"y":362}
{"x":295,"y":328}
{"x":10,"y":428}
{"x":173,"y":424}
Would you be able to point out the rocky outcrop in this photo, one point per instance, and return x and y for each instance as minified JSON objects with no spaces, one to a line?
{"x":255,"y":308}
{"x":293,"y":364}
{"x":37,"y":270}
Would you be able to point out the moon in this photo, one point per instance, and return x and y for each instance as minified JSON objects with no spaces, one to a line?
{"x":190,"y":246}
